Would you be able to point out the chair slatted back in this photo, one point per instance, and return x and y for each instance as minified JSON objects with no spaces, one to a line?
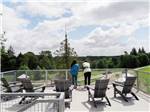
{"x":6,"y":84}
{"x":63,"y":86}
{"x":129,"y":83}
{"x":100,"y":88}
{"x":27,"y":85}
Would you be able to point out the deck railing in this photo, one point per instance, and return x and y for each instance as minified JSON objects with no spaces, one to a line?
{"x":39,"y":77}
{"x":143,"y":81}
{"x":47,"y":102}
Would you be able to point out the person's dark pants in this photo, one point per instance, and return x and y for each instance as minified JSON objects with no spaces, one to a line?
{"x":74,"y":80}
{"x":87,"y":77}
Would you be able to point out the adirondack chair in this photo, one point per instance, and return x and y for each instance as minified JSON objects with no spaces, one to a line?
{"x":99,"y":91}
{"x":11,"y":86}
{"x":126,"y":88}
{"x":64,"y":86}
{"x":28,"y":87}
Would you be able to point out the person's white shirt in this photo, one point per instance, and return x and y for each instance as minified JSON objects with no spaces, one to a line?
{"x":86,"y":67}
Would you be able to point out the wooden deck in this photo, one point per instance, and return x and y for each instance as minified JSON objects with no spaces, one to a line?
{"x":80,"y":103}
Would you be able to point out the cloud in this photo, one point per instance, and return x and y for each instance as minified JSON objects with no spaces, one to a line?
{"x":113,"y":41}
{"x":112,"y":14}
{"x":12,"y":21}
{"x":46,"y":9}
{"x":23,"y":39}
{"x":121,"y":18}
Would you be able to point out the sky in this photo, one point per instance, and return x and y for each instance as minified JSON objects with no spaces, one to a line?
{"x":94,"y":28}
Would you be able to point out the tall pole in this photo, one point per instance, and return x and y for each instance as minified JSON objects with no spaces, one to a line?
{"x":66,"y":54}
{"x":66,"y":50}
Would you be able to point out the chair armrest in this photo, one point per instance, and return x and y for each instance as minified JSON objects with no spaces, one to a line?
{"x":14,"y":82}
{"x":43,"y":87}
{"x":117,"y":84}
{"x":71,"y":88}
{"x":88,"y":88}
{"x":16,"y":85}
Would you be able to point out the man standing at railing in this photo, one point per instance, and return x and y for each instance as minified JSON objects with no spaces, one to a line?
{"x":87,"y":73}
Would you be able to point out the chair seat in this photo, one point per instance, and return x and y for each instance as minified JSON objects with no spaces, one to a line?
{"x":15,"y":88}
{"x":119,"y":88}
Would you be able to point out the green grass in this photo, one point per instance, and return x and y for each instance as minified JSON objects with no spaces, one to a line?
{"x":144,"y":79}
{"x":97,"y":74}
{"x":145,"y":69}
{"x":10,"y":76}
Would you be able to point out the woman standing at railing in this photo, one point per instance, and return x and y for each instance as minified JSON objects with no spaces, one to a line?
{"x":87,"y":73}
{"x":74,"y":72}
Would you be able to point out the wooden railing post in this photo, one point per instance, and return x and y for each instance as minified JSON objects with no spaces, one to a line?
{"x":138,"y":85}
{"x":46,"y":74}
{"x":66,"y":74}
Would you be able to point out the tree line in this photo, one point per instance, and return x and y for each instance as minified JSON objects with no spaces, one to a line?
{"x":133,"y":59}
{"x":45,"y":60}
{"x":62,"y":59}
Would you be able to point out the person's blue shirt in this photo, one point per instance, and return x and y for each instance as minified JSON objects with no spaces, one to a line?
{"x":74,"y":69}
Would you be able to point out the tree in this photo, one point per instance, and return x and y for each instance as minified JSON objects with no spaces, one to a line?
{"x":109,"y":63}
{"x":148,"y":54}
{"x":4,"y":54}
{"x":66,"y":54}
{"x":4,"y":61}
{"x":19,"y":59}
{"x":125,"y":52}
{"x":31,"y":60}
{"x":2,"y":42}
{"x":45,"y":63}
{"x":115,"y":61}
{"x":124,"y":61}
{"x":101,"y":63}
{"x":133,"y":52}
{"x":37,"y":75}
{"x":24,"y":67}
{"x":11,"y":58}
{"x":143,"y":59}
{"x":133,"y":61}
{"x":46,"y":60}
{"x":143,"y":51}
{"x":11,"y":51}
{"x":46,"y":53}
{"x":139,"y":51}
{"x":93,"y":64}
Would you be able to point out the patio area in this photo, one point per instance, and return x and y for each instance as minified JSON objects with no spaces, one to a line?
{"x":80,"y":102}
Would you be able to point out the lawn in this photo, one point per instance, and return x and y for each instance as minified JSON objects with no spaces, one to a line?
{"x":145,"y":69}
{"x":144,"y":78}
{"x":97,"y":74}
